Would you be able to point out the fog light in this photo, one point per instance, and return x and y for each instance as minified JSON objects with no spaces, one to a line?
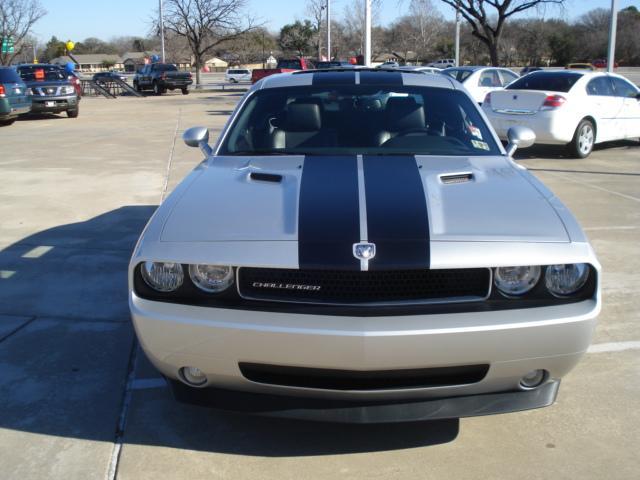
{"x":533,"y":379}
{"x":193,"y":376}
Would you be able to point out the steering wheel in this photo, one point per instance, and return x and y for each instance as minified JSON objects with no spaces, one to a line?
{"x":411,"y":131}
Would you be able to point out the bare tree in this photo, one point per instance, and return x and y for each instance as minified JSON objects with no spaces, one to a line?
{"x":487,"y":18}
{"x":315,"y":10}
{"x":206,"y":24}
{"x":16,"y":20}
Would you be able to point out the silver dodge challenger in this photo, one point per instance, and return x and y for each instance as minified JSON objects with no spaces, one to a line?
{"x":358,"y":246}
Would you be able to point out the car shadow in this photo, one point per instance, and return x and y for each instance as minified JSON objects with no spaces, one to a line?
{"x":220,"y":112}
{"x":557,"y":152}
{"x":42,"y":116}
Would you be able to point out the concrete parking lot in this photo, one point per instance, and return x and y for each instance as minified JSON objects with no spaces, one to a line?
{"x":78,"y":400}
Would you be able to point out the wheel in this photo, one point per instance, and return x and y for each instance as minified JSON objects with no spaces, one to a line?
{"x":156,"y":88}
{"x":233,"y":80}
{"x":185,"y":91}
{"x":583,"y":140}
{"x":73,"y":113}
{"x":137,"y":87}
{"x":6,"y":123}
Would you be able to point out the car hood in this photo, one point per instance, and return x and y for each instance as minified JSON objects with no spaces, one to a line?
{"x":423,"y":198}
{"x":47,"y":83}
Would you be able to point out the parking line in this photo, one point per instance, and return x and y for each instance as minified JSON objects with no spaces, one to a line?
{"x":586,"y":184}
{"x":613,"y":347}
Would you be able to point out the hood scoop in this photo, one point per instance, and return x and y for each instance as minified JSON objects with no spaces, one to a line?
{"x":265,"y":177}
{"x":450,"y":178}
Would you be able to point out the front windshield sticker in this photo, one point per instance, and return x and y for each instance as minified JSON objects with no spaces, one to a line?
{"x":480,"y":145}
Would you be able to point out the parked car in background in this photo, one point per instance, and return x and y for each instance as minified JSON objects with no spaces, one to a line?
{"x":481,"y":80}
{"x":15,"y":96}
{"x":74,"y":78}
{"x":109,"y":76}
{"x":359,"y":247}
{"x":52,"y":91}
{"x":576,"y":109}
{"x":443,"y":63}
{"x":333,"y":64}
{"x":284,"y":65}
{"x":161,"y":77}
{"x":602,"y":63}
{"x":529,"y":69}
{"x":236,"y":75}
{"x":418,"y":68}
{"x":579,"y":66}
{"x":389,"y":64}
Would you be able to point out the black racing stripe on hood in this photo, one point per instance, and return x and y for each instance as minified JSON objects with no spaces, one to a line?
{"x":334,"y":78}
{"x":397,"y":217}
{"x":381,"y":78}
{"x":328,"y":213}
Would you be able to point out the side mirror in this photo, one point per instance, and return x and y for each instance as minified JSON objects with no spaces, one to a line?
{"x":519,"y":137}
{"x":198,"y":137}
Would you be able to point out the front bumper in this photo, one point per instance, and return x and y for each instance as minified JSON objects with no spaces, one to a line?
{"x":511,"y":342}
{"x":54,"y":104}
{"x":337,"y":411}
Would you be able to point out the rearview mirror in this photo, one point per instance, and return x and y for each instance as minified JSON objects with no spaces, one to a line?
{"x":198,"y":137}
{"x":519,"y":137}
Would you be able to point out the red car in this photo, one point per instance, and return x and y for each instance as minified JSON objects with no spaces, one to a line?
{"x":602,"y":63}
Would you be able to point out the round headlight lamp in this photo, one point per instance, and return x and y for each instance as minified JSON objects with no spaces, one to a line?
{"x":563,"y":280}
{"x":516,"y":281}
{"x":162,"y":276}
{"x":211,"y":278}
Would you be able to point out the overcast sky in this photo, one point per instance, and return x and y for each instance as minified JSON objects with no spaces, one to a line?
{"x":77,"y":20}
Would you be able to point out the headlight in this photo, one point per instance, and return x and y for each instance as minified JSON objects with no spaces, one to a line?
{"x":563,"y":280}
{"x":162,"y":276}
{"x":516,"y":280}
{"x":68,"y":90}
{"x":211,"y":278}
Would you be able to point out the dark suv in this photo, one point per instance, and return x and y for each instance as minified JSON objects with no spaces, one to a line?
{"x":52,"y":91}
{"x":15,"y":98}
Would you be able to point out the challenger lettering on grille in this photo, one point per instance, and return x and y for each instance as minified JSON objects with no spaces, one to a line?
{"x":287,"y":286}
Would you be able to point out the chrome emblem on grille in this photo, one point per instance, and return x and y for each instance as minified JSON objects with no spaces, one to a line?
{"x":364,"y":251}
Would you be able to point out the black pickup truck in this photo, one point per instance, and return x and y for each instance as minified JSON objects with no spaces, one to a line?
{"x":161,"y":77}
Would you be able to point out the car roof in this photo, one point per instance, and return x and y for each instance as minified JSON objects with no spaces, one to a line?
{"x":387,"y":77}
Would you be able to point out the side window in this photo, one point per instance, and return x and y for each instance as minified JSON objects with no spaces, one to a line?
{"x":489,"y":78}
{"x":507,"y":77}
{"x":623,"y":89}
{"x":600,"y":86}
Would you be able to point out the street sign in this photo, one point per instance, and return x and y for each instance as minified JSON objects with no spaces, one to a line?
{"x":7,"y":45}
{"x":10,"y":48}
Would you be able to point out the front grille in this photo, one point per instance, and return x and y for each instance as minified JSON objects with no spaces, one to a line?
{"x":334,"y":287}
{"x":362,"y":380}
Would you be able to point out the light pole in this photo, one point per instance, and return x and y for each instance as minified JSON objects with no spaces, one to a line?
{"x":367,"y":33}
{"x":457,"y":37}
{"x":613,"y":26}
{"x":161,"y":30}
{"x":329,"y":30}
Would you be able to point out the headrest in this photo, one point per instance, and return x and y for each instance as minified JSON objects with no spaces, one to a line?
{"x":303,"y":116}
{"x":403,"y":113}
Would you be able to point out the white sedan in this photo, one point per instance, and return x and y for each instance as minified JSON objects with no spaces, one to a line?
{"x":576,"y":109}
{"x":481,"y":80}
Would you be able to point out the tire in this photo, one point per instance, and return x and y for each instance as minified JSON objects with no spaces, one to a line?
{"x":156,"y":89}
{"x":233,"y":80}
{"x":6,"y":123}
{"x":185,"y":91}
{"x":73,"y":113}
{"x":583,"y":140}
{"x":136,"y":86}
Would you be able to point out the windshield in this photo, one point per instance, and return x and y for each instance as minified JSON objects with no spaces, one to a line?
{"x":359,"y":119}
{"x":460,"y":74}
{"x":166,"y":67}
{"x":547,"y":81}
{"x":31,"y":73}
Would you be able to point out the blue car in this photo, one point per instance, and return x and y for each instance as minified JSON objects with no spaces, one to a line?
{"x":15,"y":97}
